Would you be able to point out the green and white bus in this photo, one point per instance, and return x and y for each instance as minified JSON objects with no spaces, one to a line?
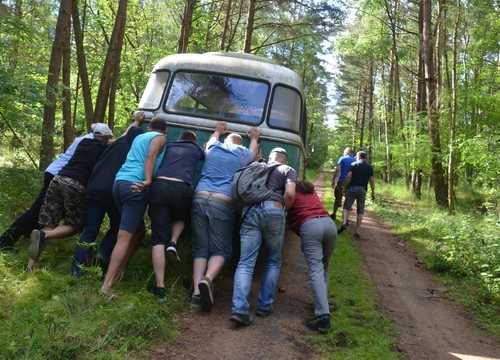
{"x":196,"y":91}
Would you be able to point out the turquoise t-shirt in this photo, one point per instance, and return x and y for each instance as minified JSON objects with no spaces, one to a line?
{"x":133,"y":168}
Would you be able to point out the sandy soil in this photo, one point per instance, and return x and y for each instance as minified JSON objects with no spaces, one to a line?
{"x":432,"y":327}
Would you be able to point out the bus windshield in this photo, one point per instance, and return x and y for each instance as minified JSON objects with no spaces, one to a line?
{"x":217,"y":96}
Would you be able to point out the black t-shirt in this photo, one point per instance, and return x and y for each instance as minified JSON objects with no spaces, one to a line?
{"x":83,"y":160}
{"x":361,"y":173}
{"x":100,"y":185}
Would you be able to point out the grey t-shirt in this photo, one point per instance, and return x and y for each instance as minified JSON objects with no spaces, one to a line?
{"x":280,"y":176}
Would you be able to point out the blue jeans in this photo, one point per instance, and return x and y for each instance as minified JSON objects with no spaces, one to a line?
{"x":264,"y":224}
{"x":212,"y":224}
{"x":95,"y":215}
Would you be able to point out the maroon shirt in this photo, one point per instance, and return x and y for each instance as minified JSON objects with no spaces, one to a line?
{"x":305,"y":207}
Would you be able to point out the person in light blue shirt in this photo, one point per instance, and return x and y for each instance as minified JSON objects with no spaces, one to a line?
{"x":343,"y":165}
{"x":212,"y":213}
{"x":130,"y":193}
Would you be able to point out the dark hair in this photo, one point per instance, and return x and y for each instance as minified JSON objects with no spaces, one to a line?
{"x":361,"y":154}
{"x":158,"y":124}
{"x":304,"y":187}
{"x":187,"y":135}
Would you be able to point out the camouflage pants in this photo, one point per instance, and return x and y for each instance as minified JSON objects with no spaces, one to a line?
{"x":65,"y":199}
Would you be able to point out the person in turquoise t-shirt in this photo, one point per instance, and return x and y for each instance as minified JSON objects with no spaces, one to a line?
{"x":130,"y":193}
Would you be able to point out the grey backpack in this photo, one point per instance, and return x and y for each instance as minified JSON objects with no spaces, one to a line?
{"x":249,"y":183}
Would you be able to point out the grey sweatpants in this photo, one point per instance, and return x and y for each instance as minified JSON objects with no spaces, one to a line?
{"x":318,"y":236}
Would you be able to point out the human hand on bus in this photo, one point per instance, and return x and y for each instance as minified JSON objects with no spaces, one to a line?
{"x":221,"y":128}
{"x":254,"y":133}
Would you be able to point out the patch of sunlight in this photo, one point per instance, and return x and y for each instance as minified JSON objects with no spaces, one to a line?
{"x":472,"y":357}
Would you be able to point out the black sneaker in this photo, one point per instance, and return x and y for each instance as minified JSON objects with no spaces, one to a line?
{"x":206,"y":293}
{"x":172,"y":255}
{"x":264,"y":312}
{"x":195,"y":302}
{"x":37,"y":244}
{"x":320,"y":323}
{"x":159,"y":292}
{"x":333,"y":217}
{"x":342,"y":229}
{"x":242,"y":319}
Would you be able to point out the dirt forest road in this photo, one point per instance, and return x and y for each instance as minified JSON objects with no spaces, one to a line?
{"x":431,"y":326}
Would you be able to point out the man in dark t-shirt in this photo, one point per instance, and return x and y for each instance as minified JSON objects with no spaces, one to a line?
{"x":356,"y":183}
{"x":65,"y":197}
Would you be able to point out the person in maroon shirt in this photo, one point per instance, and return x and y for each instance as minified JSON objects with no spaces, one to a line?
{"x":311,"y":221}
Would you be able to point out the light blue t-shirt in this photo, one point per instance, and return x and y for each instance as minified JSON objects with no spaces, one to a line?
{"x":221,"y":163}
{"x":345,"y":163}
{"x":62,"y":160}
{"x":133,"y":168}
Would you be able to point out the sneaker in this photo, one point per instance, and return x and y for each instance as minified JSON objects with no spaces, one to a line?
{"x":159,"y":292}
{"x":242,"y":319}
{"x":320,"y":323}
{"x":172,"y":255}
{"x":342,"y":229}
{"x":264,"y":312}
{"x":206,"y":294}
{"x":195,"y":302}
{"x":357,"y":236}
{"x":333,"y":217}
{"x":37,"y":244}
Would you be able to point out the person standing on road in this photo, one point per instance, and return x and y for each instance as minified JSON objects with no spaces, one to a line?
{"x":343,"y":165}
{"x":212,"y":213}
{"x":356,"y":183}
{"x":263,"y":224}
{"x":131,"y":196}
{"x":170,"y":198}
{"x":318,"y":233}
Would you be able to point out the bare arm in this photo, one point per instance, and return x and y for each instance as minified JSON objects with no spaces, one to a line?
{"x":220,"y":129}
{"x":335,"y":176}
{"x":289,"y":195}
{"x":372,"y":185}
{"x":347,"y":180}
{"x":254,"y":135}
{"x":139,"y":117}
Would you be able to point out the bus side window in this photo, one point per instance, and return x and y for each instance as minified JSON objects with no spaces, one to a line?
{"x":285,"y":109}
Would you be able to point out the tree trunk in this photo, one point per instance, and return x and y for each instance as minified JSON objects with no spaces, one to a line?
{"x":49,"y":109}
{"x":15,"y":43}
{"x":186,"y":27}
{"x":454,"y":109}
{"x":432,"y":111}
{"x":226,"y":25}
{"x":66,"y":93}
{"x":371,"y":90}
{"x":112,"y":62}
{"x":82,"y":65}
{"x":249,"y":29}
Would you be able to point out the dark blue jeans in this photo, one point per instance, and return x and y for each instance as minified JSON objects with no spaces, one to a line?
{"x":85,"y":248}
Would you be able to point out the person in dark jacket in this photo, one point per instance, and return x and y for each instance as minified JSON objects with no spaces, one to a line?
{"x":99,"y":202}
{"x":65,"y":196}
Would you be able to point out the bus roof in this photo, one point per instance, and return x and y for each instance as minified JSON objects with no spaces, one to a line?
{"x":232,"y":63}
